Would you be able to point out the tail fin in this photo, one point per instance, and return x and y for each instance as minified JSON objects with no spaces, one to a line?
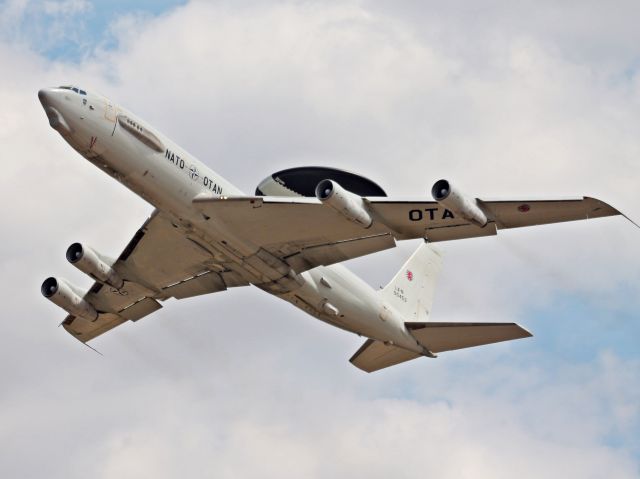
{"x":411,"y":290}
{"x":410,"y":293}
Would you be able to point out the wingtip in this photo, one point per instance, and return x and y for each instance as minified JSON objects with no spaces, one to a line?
{"x":525,"y":332}
{"x":83,"y":342}
{"x":615,"y":211}
{"x":92,"y":348}
{"x":361,"y":368}
{"x":629,"y":220}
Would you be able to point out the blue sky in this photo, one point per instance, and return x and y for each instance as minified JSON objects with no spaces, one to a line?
{"x":74,"y":30}
{"x":574,"y":328}
{"x":540,"y":100}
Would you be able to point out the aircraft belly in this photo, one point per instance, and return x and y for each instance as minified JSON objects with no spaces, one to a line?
{"x":348,"y":303}
{"x":356,"y":304}
{"x":256,"y":265}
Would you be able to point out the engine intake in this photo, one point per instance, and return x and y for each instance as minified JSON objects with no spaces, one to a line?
{"x":452,"y":198}
{"x":59,"y":292}
{"x":91,"y":263}
{"x":348,"y":204}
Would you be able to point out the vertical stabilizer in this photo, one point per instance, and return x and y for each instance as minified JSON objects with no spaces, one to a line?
{"x":411,"y":290}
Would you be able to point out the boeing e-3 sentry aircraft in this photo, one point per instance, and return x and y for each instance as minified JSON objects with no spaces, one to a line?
{"x":205,"y":236}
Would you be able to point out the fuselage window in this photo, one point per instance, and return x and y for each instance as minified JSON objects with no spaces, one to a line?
{"x":135,"y":125}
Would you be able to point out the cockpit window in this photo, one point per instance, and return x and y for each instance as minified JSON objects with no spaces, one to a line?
{"x":73,"y":88}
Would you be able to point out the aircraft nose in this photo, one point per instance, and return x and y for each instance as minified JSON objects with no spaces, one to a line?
{"x":45,"y":95}
{"x":52,"y":108}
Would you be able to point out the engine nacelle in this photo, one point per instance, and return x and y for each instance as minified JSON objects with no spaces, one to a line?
{"x":64,"y":295}
{"x":90,"y":262}
{"x":453,"y":199}
{"x":348,"y":204}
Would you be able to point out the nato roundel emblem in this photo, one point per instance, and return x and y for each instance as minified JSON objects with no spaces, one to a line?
{"x":193,"y":172}
{"x":409,"y":275}
{"x":524,"y":208}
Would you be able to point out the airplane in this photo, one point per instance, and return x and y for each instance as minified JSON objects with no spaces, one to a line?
{"x":205,"y":236}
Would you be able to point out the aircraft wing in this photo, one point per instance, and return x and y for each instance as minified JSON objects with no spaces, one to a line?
{"x":158,"y":263}
{"x":307,"y":233}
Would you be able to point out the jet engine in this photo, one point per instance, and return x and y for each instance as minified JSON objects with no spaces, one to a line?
{"x":64,"y":295}
{"x":453,"y":199}
{"x":90,"y":262}
{"x":348,"y":204}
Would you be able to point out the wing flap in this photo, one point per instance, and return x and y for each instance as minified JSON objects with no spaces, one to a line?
{"x":440,"y":337}
{"x":209,"y":282}
{"x":140,"y":309}
{"x":374,"y":355}
{"x":449,"y":233}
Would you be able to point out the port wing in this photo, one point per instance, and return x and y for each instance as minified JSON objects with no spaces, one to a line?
{"x":161,"y":261}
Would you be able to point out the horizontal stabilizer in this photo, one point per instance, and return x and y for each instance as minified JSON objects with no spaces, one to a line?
{"x":375,"y":355}
{"x":439,"y":337}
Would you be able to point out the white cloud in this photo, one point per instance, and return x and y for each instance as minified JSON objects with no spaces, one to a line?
{"x":239,"y":384}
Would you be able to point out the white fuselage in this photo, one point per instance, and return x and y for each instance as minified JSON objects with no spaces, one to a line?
{"x":169,"y":178}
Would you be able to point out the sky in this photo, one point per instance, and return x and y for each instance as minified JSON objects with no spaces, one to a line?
{"x":505,"y":99}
